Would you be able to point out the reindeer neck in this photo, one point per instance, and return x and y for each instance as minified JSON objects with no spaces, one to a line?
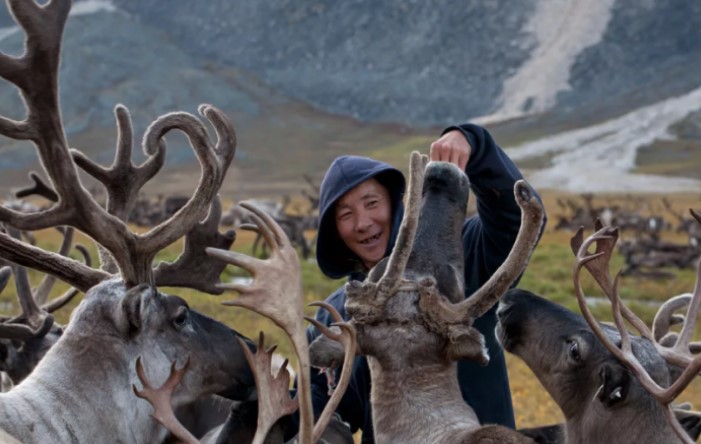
{"x":625,"y":426}
{"x":419,"y":405}
{"x":71,"y":402}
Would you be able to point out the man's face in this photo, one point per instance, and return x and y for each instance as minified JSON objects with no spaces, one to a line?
{"x":364,"y":220}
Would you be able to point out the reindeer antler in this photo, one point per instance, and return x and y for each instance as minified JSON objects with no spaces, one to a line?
{"x":598,"y":267}
{"x":35,"y":73}
{"x":276,"y":293}
{"x":160,"y":399}
{"x":40,"y":188}
{"x":454,"y":321}
{"x":36,"y":321}
{"x":194,"y":268}
{"x":392,"y":277}
{"x":42,"y":292}
{"x":346,"y":337}
{"x":123,"y":179}
{"x":515,"y":263}
{"x":273,"y":390}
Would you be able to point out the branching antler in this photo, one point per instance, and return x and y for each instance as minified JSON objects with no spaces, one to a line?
{"x":346,"y":337}
{"x":42,"y":292}
{"x":40,"y":188}
{"x":598,"y":264}
{"x":5,"y":275}
{"x":35,"y":73}
{"x":160,"y":399}
{"x":276,"y":293}
{"x":666,"y":317}
{"x":66,"y":297}
{"x":123,"y":179}
{"x":195,"y":268}
{"x":598,"y":267}
{"x":274,"y":400}
{"x":454,"y":321}
{"x":532,"y":213}
{"x":36,"y":322}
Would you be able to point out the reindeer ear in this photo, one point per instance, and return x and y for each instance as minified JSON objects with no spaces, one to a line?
{"x":325,"y":352}
{"x":615,"y":384}
{"x":468,"y":344}
{"x":130,"y":318}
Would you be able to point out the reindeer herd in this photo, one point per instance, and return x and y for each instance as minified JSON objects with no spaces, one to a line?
{"x":645,"y":252}
{"x":132,"y":359}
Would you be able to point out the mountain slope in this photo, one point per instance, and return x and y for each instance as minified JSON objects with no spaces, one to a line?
{"x":307,"y":80}
{"x":430,"y":63}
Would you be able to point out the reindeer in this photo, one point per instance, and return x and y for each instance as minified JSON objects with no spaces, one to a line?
{"x":63,"y":397}
{"x":411,"y":320}
{"x":23,"y":348}
{"x":598,"y":396}
{"x":605,"y":380}
{"x":276,"y":293}
{"x":81,"y":390}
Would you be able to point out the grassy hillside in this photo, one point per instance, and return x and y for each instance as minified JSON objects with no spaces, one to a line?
{"x":549,"y":274}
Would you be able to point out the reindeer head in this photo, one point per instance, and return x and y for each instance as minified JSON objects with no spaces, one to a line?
{"x":581,"y":375}
{"x":677,"y":349}
{"x":162,"y":329}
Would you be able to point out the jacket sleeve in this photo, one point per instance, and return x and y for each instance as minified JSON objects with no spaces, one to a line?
{"x":489,"y":235}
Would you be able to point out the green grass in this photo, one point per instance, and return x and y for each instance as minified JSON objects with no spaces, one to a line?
{"x":670,"y":158}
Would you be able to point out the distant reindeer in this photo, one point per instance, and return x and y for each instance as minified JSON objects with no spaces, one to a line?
{"x":21,"y":348}
{"x":413,"y":323}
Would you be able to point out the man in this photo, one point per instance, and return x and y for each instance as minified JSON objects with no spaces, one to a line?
{"x":360,"y":213}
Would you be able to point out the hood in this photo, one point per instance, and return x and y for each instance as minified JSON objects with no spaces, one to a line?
{"x":346,"y":172}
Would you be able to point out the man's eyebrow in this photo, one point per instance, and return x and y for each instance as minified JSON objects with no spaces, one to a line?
{"x":366,"y":196}
{"x":341,"y":206}
{"x":370,"y":194}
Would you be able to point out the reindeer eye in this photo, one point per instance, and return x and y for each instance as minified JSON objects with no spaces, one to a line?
{"x":573,"y":349}
{"x":181,"y":318}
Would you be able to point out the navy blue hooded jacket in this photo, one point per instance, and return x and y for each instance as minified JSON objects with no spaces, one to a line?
{"x":487,"y":239}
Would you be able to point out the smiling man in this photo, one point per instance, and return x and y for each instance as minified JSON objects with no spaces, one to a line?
{"x":360,"y":212}
{"x":363,"y":220}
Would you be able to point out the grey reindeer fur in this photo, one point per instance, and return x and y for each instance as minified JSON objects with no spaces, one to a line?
{"x":81,"y":392}
{"x":601,"y":401}
{"x":411,"y":354}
